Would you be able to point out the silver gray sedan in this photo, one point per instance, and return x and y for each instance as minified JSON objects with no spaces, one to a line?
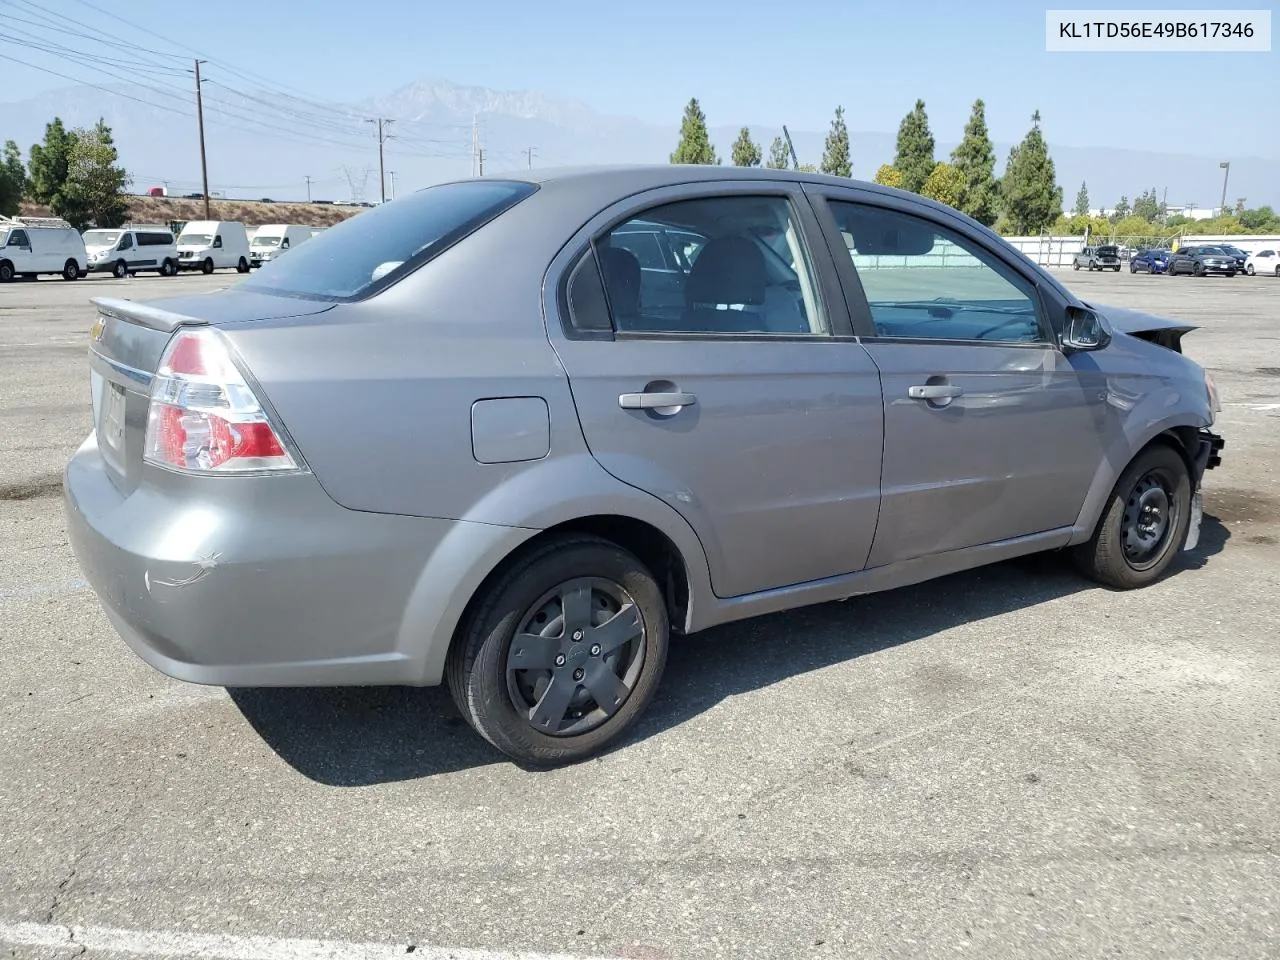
{"x":513,"y":434}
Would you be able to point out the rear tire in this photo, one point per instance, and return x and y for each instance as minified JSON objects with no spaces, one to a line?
{"x":71,"y":270}
{"x":1075,"y":264}
{"x":242,"y":266}
{"x":595,"y":632}
{"x":168,"y":268}
{"x":1250,"y":271}
{"x":1144,"y":525}
{"x":207,"y":266}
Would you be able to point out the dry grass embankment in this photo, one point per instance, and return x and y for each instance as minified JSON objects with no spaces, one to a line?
{"x":251,"y":213}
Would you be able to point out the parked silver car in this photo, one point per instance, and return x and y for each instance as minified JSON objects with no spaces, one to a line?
{"x":472,"y":436}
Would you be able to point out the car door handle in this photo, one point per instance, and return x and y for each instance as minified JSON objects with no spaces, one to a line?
{"x":654,"y":401}
{"x":934,"y":391}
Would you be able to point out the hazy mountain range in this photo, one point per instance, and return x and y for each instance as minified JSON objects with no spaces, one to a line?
{"x":262,"y":144}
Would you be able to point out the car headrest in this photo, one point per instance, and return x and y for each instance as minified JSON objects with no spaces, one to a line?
{"x":728,"y":270}
{"x":621,"y":271}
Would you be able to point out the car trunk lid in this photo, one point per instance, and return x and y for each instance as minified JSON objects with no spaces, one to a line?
{"x":127,"y":341}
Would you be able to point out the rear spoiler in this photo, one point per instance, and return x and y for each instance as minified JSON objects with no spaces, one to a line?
{"x":166,"y":321}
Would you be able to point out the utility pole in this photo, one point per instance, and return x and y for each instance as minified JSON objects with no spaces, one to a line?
{"x":382,"y":166}
{"x":475,"y":142}
{"x":382,"y":163}
{"x":529,"y":153}
{"x":1226,"y":172}
{"x":204,"y":165}
{"x":308,"y":179}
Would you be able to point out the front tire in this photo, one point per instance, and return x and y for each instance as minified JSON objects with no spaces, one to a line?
{"x":562,"y":652}
{"x":120,"y":270}
{"x":207,"y":266}
{"x":6,"y":271}
{"x":1144,"y":525}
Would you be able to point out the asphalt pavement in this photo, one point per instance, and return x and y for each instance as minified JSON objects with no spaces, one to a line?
{"x":1010,"y":762}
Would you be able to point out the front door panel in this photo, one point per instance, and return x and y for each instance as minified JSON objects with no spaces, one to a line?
{"x":1010,"y":453}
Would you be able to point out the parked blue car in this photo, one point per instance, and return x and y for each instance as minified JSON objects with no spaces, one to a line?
{"x":1152,"y":261}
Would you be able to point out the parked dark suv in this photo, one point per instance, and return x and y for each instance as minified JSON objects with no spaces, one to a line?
{"x":1201,"y":261}
{"x":1098,"y":258}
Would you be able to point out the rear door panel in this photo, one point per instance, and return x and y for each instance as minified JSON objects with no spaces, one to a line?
{"x":776,"y":464}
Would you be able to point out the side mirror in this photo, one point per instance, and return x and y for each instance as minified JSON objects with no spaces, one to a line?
{"x":1083,"y":330}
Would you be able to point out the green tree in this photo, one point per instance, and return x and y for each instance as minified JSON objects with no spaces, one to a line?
{"x":975,"y":158}
{"x":13,"y":180}
{"x":1260,"y":220}
{"x":807,"y":168}
{"x":1134,"y":226}
{"x":1147,"y":206}
{"x":835,"y":153}
{"x":887,"y":176}
{"x":1029,"y":189}
{"x":95,"y":185}
{"x":695,"y":143}
{"x":746,"y":152}
{"x":1082,"y":201}
{"x":779,"y":155}
{"x":914,"y":159}
{"x":945,"y":184}
{"x":1121,"y":211}
{"x":47,"y":168}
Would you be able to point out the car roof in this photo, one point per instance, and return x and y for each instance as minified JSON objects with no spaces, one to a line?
{"x":624,"y":179}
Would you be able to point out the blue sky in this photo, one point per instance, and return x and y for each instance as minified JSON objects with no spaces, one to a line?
{"x":748,"y":62}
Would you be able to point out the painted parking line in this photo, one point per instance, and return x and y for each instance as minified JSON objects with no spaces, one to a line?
{"x":205,"y":946}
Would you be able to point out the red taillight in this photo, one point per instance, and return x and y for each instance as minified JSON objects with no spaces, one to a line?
{"x":204,"y":417}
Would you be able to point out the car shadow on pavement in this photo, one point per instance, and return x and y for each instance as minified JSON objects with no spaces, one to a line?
{"x":359,"y":736}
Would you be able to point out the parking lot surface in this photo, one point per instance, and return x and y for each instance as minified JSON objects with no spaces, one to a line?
{"x":1006,"y":763}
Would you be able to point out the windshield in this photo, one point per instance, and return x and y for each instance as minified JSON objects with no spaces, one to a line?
{"x":195,"y":239}
{"x":265,"y":242}
{"x":101,"y":238}
{"x":1106,"y":251}
{"x":377,"y":247}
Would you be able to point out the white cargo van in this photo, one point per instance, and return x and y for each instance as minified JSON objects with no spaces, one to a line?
{"x":273,"y":239}
{"x":35,"y":245}
{"x":132,"y":249}
{"x":210,"y":245}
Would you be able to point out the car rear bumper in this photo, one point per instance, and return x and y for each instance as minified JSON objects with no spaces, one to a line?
{"x":265,"y":581}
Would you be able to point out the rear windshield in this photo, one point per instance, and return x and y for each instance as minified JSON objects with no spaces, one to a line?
{"x":373,"y":249}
